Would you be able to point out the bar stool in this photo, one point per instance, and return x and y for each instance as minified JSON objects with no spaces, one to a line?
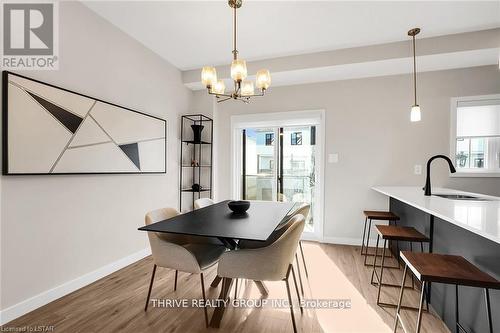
{"x":395,"y":233}
{"x":449,"y":269}
{"x":373,"y":215}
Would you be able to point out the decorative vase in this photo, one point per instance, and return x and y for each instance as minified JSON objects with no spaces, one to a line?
{"x":196,"y":187}
{"x":197,"y":129}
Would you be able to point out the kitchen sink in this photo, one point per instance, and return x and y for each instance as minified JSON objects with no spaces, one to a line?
{"x":461,"y":197}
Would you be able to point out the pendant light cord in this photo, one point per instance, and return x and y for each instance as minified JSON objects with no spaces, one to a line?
{"x":235,"y":51}
{"x":414,"y":71}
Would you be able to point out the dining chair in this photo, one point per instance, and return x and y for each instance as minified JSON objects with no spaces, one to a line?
{"x":176,"y":252}
{"x":203,"y":202}
{"x":269,"y":263}
{"x":303,"y":210}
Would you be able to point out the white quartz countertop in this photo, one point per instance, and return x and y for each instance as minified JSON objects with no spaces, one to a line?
{"x":479,"y":217}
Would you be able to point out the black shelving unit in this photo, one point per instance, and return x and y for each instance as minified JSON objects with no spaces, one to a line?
{"x":196,"y":160}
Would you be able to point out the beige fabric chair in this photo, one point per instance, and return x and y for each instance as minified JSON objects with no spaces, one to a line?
{"x":270,"y":263}
{"x":175,"y":252}
{"x":303,"y":210}
{"x":203,"y":202}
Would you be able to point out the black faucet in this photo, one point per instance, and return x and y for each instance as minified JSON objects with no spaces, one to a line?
{"x":427,"y":187}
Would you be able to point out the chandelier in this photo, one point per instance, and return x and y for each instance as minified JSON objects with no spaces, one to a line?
{"x":243,"y":89}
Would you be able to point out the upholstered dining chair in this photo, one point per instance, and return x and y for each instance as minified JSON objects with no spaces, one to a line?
{"x":302,"y":210}
{"x":176,"y":252}
{"x":269,"y":263}
{"x":203,"y":202}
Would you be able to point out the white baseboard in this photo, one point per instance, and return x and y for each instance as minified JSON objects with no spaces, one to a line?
{"x":50,"y":295}
{"x":349,"y":241}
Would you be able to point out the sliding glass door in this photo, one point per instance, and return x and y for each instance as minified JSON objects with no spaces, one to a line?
{"x":279,"y":164}
{"x":259,"y":164}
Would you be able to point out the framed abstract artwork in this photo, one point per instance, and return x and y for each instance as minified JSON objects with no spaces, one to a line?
{"x":51,"y":130}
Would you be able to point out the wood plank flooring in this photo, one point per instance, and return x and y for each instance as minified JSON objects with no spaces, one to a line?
{"x":116,"y":302}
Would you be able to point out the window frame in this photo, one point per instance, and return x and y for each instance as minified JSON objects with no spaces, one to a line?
{"x":271,"y":139}
{"x":453,"y":138}
{"x":297,"y":135}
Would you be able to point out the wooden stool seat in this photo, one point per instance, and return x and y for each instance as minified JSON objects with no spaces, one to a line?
{"x":380,"y":215}
{"x":392,"y":232}
{"x":374,"y":215}
{"x":450,"y":269}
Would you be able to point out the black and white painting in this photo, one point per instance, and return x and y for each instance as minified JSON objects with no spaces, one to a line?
{"x":51,"y":130}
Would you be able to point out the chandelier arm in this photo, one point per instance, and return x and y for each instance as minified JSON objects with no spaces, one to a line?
{"x":223,"y":100}
{"x":218,"y":95}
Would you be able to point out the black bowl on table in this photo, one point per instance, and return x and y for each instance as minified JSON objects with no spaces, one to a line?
{"x":239,"y":206}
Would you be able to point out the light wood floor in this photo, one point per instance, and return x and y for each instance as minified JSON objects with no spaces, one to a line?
{"x":116,"y":302}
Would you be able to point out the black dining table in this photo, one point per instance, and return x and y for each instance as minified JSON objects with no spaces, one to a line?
{"x":218,"y":221}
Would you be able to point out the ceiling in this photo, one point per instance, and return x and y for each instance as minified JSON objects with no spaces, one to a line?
{"x":191,"y":34}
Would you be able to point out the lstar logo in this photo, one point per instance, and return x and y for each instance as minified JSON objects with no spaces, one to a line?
{"x":29,"y":35}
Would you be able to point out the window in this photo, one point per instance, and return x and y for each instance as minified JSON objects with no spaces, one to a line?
{"x":265,"y":164}
{"x":269,"y":139}
{"x":476,"y":135}
{"x":296,"y":138}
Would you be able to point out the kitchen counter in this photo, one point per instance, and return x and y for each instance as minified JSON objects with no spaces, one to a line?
{"x":468,"y":228}
{"x":479,"y":217}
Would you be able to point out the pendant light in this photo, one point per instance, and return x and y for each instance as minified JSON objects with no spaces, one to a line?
{"x":415,"y":113}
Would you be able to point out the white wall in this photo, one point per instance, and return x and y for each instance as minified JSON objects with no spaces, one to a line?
{"x":58,"y":228}
{"x":367,"y":124}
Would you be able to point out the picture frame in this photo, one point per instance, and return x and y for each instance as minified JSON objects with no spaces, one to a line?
{"x":50,"y":130}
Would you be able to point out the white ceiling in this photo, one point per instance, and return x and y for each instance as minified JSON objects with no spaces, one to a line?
{"x":191,"y":34}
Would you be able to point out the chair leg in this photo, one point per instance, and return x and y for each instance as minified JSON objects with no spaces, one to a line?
{"x":150,"y":287}
{"x":298,"y":273}
{"x":303,"y":259}
{"x":290,"y":300}
{"x":363,"y":239}
{"x":236,"y":289}
{"x":216,"y":281}
{"x":204,"y":299}
{"x":297,"y":289}
{"x":175,"y":280}
{"x":488,"y":308}
{"x":400,"y":299}
{"x":419,"y":319}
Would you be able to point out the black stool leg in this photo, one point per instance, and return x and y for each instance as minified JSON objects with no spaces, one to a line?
{"x":368,"y":240}
{"x":457,"y":318}
{"x":381,"y":272}
{"x":419,"y":320}
{"x":400,"y":298}
{"x":488,"y":308}
{"x":364,"y":233}
{"x":412,"y":279}
{"x":375,"y":259}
